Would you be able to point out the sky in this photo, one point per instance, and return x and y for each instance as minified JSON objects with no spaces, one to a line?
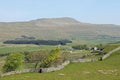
{"x":90,"y":11}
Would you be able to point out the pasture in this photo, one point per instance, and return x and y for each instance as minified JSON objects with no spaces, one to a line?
{"x":23,"y":48}
{"x":109,"y":69}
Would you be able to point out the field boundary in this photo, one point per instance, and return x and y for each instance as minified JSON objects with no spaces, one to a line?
{"x":40,"y":70}
{"x":109,"y":53}
{"x":50,"y":69}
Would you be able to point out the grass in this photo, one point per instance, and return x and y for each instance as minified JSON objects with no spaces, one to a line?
{"x":2,"y":61}
{"x":23,"y":48}
{"x":110,"y":47}
{"x":109,"y":69}
{"x":78,"y":54}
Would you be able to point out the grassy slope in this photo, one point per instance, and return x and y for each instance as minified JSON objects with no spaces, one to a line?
{"x":111,"y":47}
{"x":108,"y":69}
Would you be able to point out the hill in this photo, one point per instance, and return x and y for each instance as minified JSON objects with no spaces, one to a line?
{"x":60,"y":28}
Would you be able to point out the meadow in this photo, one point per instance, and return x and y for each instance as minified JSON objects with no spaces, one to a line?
{"x":23,"y":48}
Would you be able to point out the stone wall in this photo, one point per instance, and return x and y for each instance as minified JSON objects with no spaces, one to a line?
{"x":84,"y":60}
{"x":15,"y":72}
{"x":50,"y":69}
{"x":108,"y":54}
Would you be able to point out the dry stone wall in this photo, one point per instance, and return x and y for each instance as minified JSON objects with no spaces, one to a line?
{"x":50,"y":69}
{"x":84,"y":60}
{"x":108,"y":54}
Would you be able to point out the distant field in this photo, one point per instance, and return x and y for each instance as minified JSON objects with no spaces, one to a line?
{"x":108,"y":69}
{"x":9,"y":48}
{"x":23,"y":48}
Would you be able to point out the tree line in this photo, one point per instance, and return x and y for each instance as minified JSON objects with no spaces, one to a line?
{"x":38,"y":42}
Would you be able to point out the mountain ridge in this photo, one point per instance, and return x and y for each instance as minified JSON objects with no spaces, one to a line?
{"x":68,"y":19}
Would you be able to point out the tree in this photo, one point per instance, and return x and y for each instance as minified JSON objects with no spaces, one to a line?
{"x":36,"y":57}
{"x":13,"y":61}
{"x":51,"y":58}
{"x":79,"y":47}
{"x":99,"y":46}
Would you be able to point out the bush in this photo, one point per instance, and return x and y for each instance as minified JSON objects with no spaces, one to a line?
{"x":13,"y":61}
{"x":51,"y":59}
{"x":79,"y":47}
{"x":36,"y":56}
{"x":100,"y":59}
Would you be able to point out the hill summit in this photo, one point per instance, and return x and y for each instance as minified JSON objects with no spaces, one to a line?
{"x":55,"y":21}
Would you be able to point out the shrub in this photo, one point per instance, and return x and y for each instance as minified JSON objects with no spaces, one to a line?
{"x":36,"y":56}
{"x":13,"y":61}
{"x":100,"y":59}
{"x":79,"y":47}
{"x":52,"y":57}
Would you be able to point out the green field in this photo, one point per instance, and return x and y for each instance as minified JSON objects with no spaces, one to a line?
{"x":110,"y":47}
{"x":108,"y":69}
{"x":23,"y":48}
{"x":2,"y":61}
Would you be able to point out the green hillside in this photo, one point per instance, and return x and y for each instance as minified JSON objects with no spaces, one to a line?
{"x":110,"y":47}
{"x":60,"y":28}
